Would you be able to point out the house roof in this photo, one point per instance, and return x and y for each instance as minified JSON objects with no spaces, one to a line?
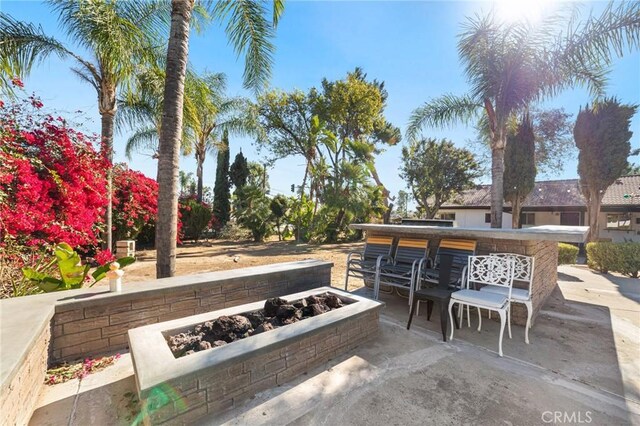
{"x":555,"y":193}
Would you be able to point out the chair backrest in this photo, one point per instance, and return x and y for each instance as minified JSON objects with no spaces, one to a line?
{"x":460,"y":250}
{"x":410,"y":250}
{"x":491,"y":270}
{"x":376,"y":246}
{"x":523,"y":267}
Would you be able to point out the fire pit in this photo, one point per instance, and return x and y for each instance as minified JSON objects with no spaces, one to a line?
{"x":179,"y":383}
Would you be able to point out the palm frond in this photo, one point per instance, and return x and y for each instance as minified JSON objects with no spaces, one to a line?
{"x":23,"y":45}
{"x":250,"y":33}
{"x":442,"y":112}
{"x":145,"y":139}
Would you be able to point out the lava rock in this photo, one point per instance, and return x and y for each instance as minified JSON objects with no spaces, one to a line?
{"x":318,"y":309}
{"x":302,"y":303}
{"x":256,"y":318}
{"x":264,"y":327}
{"x":314,"y":300}
{"x":204,"y":345}
{"x":333,"y":301}
{"x":271,"y":306}
{"x":286,"y":311}
{"x":228,"y":328}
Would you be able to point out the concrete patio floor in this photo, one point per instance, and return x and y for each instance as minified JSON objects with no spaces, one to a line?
{"x":582,"y":365}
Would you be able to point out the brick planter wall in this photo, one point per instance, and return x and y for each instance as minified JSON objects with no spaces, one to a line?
{"x":215,"y":390}
{"x":83,"y":328}
{"x":19,"y":398}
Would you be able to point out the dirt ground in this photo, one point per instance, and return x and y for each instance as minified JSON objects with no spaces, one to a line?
{"x":219,"y":255}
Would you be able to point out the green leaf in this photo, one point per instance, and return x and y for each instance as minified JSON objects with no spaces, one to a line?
{"x":101,"y":272}
{"x":72,"y":271}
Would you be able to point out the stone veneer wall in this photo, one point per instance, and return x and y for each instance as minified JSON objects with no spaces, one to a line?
{"x":18,"y":400}
{"x":94,"y":327}
{"x":213,"y":391}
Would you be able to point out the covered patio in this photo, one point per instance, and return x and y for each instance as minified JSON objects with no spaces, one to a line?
{"x":581,"y":364}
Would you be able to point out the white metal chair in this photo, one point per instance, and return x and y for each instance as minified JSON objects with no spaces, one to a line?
{"x":523,"y":271}
{"x":488,"y":271}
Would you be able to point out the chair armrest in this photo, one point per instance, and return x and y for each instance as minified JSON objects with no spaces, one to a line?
{"x":354,"y":253}
{"x":421,"y":264}
{"x":382,"y":257}
{"x":463,"y":279}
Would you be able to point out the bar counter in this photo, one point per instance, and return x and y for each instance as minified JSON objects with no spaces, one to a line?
{"x":540,"y":242}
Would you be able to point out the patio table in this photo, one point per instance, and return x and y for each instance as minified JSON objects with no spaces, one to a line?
{"x":540,"y":242}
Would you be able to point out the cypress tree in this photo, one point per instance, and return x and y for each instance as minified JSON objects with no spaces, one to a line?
{"x":221,"y":190}
{"x":519,"y":167}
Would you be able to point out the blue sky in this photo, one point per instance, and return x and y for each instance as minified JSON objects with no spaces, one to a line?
{"x":409,"y":45}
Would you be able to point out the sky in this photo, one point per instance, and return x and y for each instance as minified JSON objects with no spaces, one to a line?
{"x":411,"y":46}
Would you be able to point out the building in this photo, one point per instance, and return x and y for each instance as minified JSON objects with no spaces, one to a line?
{"x":556,"y":202}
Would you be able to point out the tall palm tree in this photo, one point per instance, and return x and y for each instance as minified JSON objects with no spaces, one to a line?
{"x":250,"y":31}
{"x":212,"y":114}
{"x":116,"y":34}
{"x":511,"y":66}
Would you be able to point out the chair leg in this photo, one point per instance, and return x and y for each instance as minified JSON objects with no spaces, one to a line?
{"x":489,"y":314}
{"x":528,"y":326}
{"x":413,"y":308}
{"x":460,"y":313}
{"x":479,"y":319}
{"x":429,"y":309}
{"x":451,"y":303}
{"x":346,"y":280}
{"x":509,"y":319}
{"x":502,"y":321}
{"x":468,"y":316}
{"x":455,"y":317}
{"x":376,"y":287}
{"x":443,"y":321}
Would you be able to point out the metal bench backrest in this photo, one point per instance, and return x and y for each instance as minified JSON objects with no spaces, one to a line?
{"x":376,"y":246}
{"x":410,"y":250}
{"x":459,"y":250}
{"x":491,"y":271}
{"x":524,"y":267}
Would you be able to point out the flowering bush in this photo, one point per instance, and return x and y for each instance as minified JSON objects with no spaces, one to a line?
{"x":135,"y":202}
{"x":195,"y":217}
{"x":52,"y":180}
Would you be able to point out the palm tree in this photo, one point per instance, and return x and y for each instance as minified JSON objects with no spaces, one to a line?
{"x":249,"y":31}
{"x":212,"y":113}
{"x":116,"y":34}
{"x":511,"y":66}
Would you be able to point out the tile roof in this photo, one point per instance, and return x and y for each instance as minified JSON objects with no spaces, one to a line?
{"x":556,"y":193}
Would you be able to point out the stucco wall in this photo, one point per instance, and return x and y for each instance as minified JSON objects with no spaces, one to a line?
{"x":619,"y":236}
{"x":473,"y":218}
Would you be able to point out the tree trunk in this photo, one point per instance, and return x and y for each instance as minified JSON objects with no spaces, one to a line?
{"x":171,"y":132}
{"x":516,"y":206}
{"x":107,"y":147}
{"x":593,"y":209}
{"x":497,"y":184}
{"x":199,"y":170}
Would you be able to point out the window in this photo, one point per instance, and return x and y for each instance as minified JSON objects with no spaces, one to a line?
{"x":447,"y":216}
{"x":487,"y":218}
{"x":527,"y":219}
{"x":620,"y":222}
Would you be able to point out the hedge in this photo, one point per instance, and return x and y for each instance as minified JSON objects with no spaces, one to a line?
{"x":615,"y":257}
{"x":567,"y":254}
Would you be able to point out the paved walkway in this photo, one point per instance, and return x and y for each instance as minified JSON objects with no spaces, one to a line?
{"x":582,"y":366}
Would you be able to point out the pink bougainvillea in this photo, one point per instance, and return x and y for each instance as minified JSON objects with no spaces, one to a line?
{"x":135,"y":202}
{"x":52,"y":180}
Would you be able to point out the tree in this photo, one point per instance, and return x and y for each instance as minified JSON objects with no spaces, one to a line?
{"x":633,"y":169}
{"x":510,"y":66}
{"x":187,"y":184}
{"x":221,"y":189}
{"x":403,"y":203}
{"x":116,"y":35}
{"x":519,"y":167}
{"x":435,"y":171}
{"x":602,"y":136}
{"x":239,"y":171}
{"x":213,"y":112}
{"x":279,"y":206}
{"x":252,"y":210}
{"x":289,"y":127}
{"x":248,"y":30}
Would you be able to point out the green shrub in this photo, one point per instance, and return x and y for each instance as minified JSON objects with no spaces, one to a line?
{"x":195,"y":218}
{"x":615,"y":257}
{"x":567,"y":254}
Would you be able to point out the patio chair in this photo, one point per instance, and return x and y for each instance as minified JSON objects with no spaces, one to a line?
{"x":402,"y":270}
{"x":441,"y":294}
{"x":363,"y":264}
{"x":459,"y":250}
{"x":523,"y":272}
{"x":487,"y":271}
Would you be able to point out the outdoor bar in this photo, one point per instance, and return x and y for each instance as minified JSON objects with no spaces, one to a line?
{"x":539,"y":242}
